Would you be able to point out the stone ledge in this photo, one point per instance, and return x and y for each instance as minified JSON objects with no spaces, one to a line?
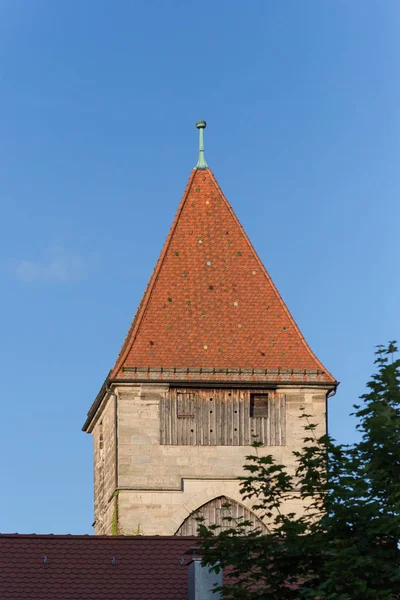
{"x":216,"y":374}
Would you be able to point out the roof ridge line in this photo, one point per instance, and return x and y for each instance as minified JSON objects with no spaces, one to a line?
{"x":135,"y":325}
{"x":264,"y":270}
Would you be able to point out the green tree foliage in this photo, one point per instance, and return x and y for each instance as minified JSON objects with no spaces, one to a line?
{"x":346,"y":545}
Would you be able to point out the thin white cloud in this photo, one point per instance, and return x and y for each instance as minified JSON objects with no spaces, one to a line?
{"x":59,"y":269}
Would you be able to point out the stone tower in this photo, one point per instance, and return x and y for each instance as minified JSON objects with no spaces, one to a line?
{"x":212,"y":358}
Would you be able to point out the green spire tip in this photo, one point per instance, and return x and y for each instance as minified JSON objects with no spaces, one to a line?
{"x":201,"y":163}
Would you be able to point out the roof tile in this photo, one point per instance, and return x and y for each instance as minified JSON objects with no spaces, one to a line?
{"x":80,"y":567}
{"x":210,"y":302}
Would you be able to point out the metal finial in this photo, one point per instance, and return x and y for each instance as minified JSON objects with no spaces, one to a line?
{"x":201,"y":163}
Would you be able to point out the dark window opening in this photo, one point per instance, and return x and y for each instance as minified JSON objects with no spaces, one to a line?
{"x":259,"y":405}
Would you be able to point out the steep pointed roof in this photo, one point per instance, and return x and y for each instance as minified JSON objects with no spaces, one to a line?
{"x":210,"y":310}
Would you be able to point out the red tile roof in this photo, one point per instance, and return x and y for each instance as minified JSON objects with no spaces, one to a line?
{"x":81,"y":567}
{"x":210,"y":303}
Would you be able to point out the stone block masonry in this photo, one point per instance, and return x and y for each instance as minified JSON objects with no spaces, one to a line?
{"x":148,"y":487}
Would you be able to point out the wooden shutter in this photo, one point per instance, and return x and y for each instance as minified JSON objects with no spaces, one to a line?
{"x":259,"y":405}
{"x":222,"y":417}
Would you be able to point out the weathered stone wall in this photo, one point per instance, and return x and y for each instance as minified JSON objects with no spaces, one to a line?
{"x":105,"y":476}
{"x":160,"y":485}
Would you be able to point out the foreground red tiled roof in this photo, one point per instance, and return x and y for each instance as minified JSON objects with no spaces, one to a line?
{"x":46,"y":567}
{"x":210,"y":303}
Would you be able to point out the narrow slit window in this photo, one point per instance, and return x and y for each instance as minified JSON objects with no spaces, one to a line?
{"x":259,"y":406}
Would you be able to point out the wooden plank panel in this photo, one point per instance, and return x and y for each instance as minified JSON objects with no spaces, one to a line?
{"x":190,"y":420}
{"x":205,"y":423}
{"x":258,"y":422}
{"x":263,"y":428}
{"x":253,"y":429}
{"x":222,"y":417}
{"x":271,"y":441}
{"x":247,"y":440}
{"x":180,"y":407}
{"x":174,"y":437}
{"x":224,"y":406}
{"x":229,"y":424}
{"x":199,"y":420}
{"x":192,"y":423}
{"x":212,"y":412}
{"x":235,"y":418}
{"x":218,"y":420}
{"x":186,"y":418}
{"x":227,"y":420}
{"x":241,"y":419}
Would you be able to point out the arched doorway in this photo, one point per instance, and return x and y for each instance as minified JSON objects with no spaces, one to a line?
{"x":214,"y":512}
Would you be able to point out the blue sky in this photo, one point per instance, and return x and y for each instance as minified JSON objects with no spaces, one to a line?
{"x":98,"y":102}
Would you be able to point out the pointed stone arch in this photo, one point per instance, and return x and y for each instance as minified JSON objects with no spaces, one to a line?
{"x":213,"y":513}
